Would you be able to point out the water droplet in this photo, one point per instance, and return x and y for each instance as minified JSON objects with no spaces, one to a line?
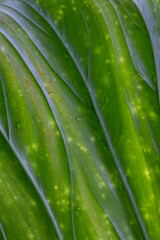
{"x":19,"y":29}
{"x":78,"y":208}
{"x":18,"y":125}
{"x":51,"y":94}
{"x":106,"y":99}
{"x":154,"y":78}
{"x":79,"y":119}
{"x":36,"y":118}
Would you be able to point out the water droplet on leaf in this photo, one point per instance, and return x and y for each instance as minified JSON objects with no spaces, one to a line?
{"x":79,"y":119}
{"x":18,"y":125}
{"x":19,"y":29}
{"x":154,"y":78}
{"x":106,"y":99}
{"x":78,"y":208}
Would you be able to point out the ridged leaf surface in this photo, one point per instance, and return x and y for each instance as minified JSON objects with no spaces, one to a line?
{"x":79,"y":119}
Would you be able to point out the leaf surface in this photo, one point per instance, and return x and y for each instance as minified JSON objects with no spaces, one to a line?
{"x":79,"y":120}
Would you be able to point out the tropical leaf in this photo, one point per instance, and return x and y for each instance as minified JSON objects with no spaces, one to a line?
{"x":79,"y":119}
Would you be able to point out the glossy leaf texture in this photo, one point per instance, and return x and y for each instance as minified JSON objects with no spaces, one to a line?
{"x":79,"y":119}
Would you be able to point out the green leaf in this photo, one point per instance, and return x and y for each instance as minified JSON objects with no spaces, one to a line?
{"x":79,"y":120}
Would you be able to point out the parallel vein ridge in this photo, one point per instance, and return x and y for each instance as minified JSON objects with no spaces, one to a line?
{"x":79,"y":120}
